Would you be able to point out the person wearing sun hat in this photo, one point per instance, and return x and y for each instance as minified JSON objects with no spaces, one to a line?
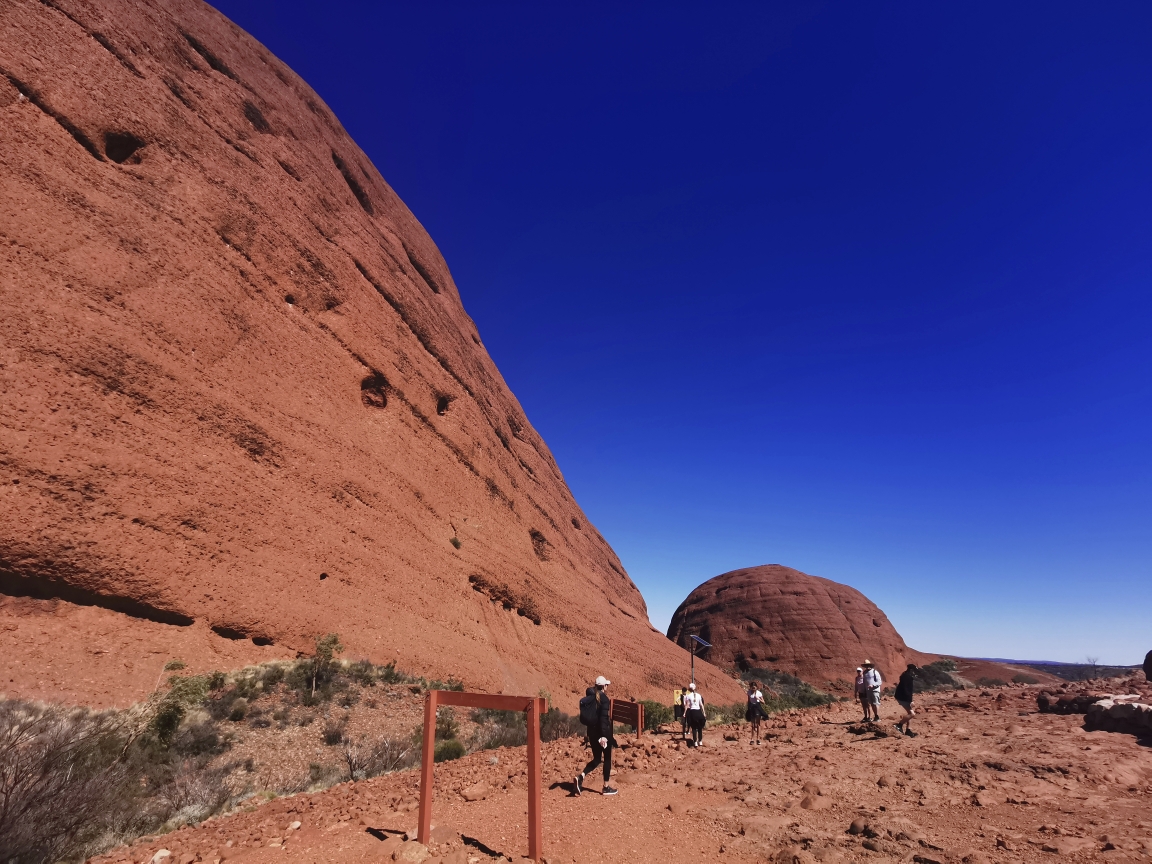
{"x":599,"y":735}
{"x":872,"y":684}
{"x":861,"y":692}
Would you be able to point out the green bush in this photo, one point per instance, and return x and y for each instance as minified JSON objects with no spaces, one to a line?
{"x":446,"y":724}
{"x":791,"y":691}
{"x":656,"y":714}
{"x":936,"y":676}
{"x":449,"y":750}
{"x":990,"y":682}
{"x":555,"y":724}
{"x":238,"y":710}
{"x":1023,"y":678}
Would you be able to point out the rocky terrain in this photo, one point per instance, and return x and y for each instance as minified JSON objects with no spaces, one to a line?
{"x":989,"y":778}
{"x":241,"y":402}
{"x":776,"y":617}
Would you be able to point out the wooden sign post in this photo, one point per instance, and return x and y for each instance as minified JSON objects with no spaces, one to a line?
{"x":629,"y":713}
{"x":533,"y":706}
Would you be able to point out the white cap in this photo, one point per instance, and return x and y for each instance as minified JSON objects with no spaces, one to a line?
{"x":601,"y":681}
{"x":691,"y":686}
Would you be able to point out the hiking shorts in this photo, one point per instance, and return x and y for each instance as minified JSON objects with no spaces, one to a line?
{"x":907,"y":706}
{"x":873,"y":697}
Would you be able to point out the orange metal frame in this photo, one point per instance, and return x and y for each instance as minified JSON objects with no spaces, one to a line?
{"x":533,"y":706}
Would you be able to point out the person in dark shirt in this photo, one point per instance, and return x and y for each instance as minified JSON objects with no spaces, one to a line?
{"x":904,"y":692}
{"x":600,"y":737}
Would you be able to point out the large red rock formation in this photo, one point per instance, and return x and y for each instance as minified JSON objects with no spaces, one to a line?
{"x":775,"y":617}
{"x":241,"y":403}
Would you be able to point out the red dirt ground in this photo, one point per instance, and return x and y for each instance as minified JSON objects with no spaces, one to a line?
{"x":988,"y":780}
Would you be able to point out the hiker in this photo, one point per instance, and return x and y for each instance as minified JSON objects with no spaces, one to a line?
{"x":755,"y":712}
{"x":678,"y":712}
{"x":596,"y":715}
{"x":904,"y":692}
{"x":872,"y":684}
{"x":694,"y":715}
{"x":862,"y":692}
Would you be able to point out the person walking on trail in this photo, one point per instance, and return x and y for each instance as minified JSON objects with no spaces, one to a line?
{"x":596,"y":715}
{"x":872,"y":684}
{"x":683,"y":712}
{"x":904,"y":691}
{"x":755,"y":712}
{"x":694,"y":713}
{"x":862,"y":692}
{"x":678,"y":710}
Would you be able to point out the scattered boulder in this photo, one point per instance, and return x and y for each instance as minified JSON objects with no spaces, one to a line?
{"x":1120,"y":714}
{"x":441,"y":834}
{"x":476,"y":792}
{"x":411,"y":852}
{"x":1148,"y":665}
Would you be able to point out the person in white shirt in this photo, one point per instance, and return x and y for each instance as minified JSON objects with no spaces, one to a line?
{"x":694,"y":712}
{"x":872,"y":685}
{"x":755,"y":712}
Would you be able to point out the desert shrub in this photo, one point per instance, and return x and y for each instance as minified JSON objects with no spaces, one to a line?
{"x":436,"y":684}
{"x":499,"y":729}
{"x":791,"y":691}
{"x":989,"y":682}
{"x":449,"y":750}
{"x":555,"y":724}
{"x":272,"y":675}
{"x":935,"y":676}
{"x":733,"y":713}
{"x":446,"y":724}
{"x":333,"y":732}
{"x":656,"y":714}
{"x":363,"y":672}
{"x":1024,"y":678}
{"x":216,"y":680}
{"x":238,"y":710}
{"x":62,"y":782}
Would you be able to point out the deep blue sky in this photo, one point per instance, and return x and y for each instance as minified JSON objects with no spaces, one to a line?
{"x":860,"y":288}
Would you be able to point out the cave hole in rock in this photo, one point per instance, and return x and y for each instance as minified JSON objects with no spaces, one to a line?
{"x":353,"y":184}
{"x":210,"y":58}
{"x":120,"y":146}
{"x":575,"y":523}
{"x":288,"y":169}
{"x":374,"y":390}
{"x":256,"y":117}
{"x":442,"y":403}
{"x":262,"y":641}
{"x":323,"y":576}
{"x":289,"y":299}
{"x":539,"y":544}
{"x":228,"y":632}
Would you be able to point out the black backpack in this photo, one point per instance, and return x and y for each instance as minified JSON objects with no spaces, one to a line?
{"x":590,"y":710}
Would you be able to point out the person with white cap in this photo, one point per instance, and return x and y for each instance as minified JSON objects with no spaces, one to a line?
{"x":596,"y":715}
{"x":872,"y":684}
{"x":694,"y":712}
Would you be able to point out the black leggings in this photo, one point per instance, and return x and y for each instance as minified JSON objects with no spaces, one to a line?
{"x":696,"y":724}
{"x":599,"y":753}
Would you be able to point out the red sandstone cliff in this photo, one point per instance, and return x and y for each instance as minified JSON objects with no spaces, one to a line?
{"x":779,"y":618}
{"x":241,"y":403}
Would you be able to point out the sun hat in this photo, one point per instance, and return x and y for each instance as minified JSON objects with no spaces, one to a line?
{"x":859,"y":668}
{"x":692,"y":686}
{"x":601,"y":681}
{"x":869,"y":663}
